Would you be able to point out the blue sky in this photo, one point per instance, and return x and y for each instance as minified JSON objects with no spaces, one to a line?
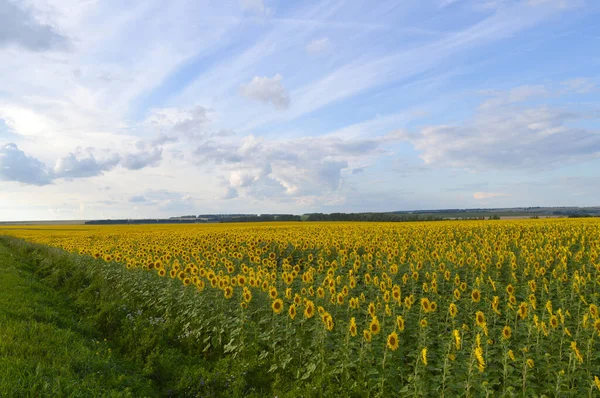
{"x":150,"y":108}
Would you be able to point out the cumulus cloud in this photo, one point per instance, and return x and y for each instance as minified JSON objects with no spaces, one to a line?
{"x":509,"y":136}
{"x":15,"y":165}
{"x":141,"y":159}
{"x":267,"y":90}
{"x":19,"y":27}
{"x":191,"y":123}
{"x":286,"y":170}
{"x":71,"y":166}
{"x":318,"y":46}
{"x":230,"y":193}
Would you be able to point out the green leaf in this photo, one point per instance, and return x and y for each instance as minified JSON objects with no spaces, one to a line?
{"x":309,"y":370}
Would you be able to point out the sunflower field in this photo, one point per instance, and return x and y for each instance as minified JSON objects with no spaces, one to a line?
{"x":477,"y":308}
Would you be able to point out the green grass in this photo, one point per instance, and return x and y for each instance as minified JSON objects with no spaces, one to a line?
{"x":44,"y":348}
{"x":71,"y":325}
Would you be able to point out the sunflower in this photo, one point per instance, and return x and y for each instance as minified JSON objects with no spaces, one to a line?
{"x":457,"y":294}
{"x":386,"y":296}
{"x":352,"y":327}
{"x":247,"y":295}
{"x":511,"y":355}
{"x":321,"y":292}
{"x":553,"y":321}
{"x":424,"y":355}
{"x":374,"y":326}
{"x":456,"y":334}
{"x":309,"y":309}
{"x":288,"y":293}
{"x":400,"y":323}
{"x":228,"y":292}
{"x":475,"y":295}
{"x":162,"y":272}
{"x":273,"y":293}
{"x":480,"y":319}
{"x":392,"y":341}
{"x":576,"y":351}
{"x":340,"y":299}
{"x":453,"y":310}
{"x":480,"y":360}
{"x":523,"y":310}
{"x":173,"y":273}
{"x":506,"y":332}
{"x":597,"y":325}
{"x":512,"y":300}
{"x":510,"y":290}
{"x":549,"y":306}
{"x":425,"y":304}
{"x":594,"y":311}
{"x":187,"y":281}
{"x":367,"y":335}
{"x":372,"y":309}
{"x":292,"y":311}
{"x":530,"y":363}
{"x":277,"y":306}
{"x":423,"y":323}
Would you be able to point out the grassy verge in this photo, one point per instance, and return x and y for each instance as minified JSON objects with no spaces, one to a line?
{"x":45,"y":351}
{"x":75,"y":326}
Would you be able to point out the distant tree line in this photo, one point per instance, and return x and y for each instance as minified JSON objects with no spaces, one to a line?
{"x":377,"y":217}
{"x":143,"y":221}
{"x":263,"y":218}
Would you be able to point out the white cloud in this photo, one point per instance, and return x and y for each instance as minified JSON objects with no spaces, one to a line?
{"x":15,"y":165}
{"x":256,"y":6}
{"x":267,"y":90}
{"x":284,"y":169}
{"x":141,"y":159}
{"x":19,"y":27}
{"x":514,"y":95}
{"x":579,"y":86}
{"x":71,"y":166}
{"x":318,"y":46}
{"x":556,"y":3}
{"x":504,"y":135}
{"x":488,"y":195}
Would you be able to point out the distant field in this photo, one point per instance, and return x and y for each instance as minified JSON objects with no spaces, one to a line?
{"x":55,"y":222}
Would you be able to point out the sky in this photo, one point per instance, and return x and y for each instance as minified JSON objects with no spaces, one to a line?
{"x":113,"y":109}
